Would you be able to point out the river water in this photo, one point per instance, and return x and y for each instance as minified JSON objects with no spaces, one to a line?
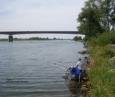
{"x":35,"y":68}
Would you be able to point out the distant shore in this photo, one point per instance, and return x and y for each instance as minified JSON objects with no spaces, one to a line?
{"x":33,"y":38}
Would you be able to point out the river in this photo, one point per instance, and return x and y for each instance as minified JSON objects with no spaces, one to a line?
{"x":35,"y":68}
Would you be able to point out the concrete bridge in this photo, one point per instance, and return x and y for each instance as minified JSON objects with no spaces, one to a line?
{"x":11,"y":33}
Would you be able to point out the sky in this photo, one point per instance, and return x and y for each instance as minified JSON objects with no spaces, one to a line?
{"x":40,"y":15}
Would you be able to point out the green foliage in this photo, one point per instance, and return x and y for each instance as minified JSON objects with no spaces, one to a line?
{"x":97,"y":16}
{"x":104,"y":52}
{"x":77,"y":38}
{"x":89,"y":22}
{"x":103,"y":39}
{"x":102,"y":72}
{"x":102,"y":79}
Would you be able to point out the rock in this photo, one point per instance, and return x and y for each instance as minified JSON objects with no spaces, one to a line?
{"x":83,"y":51}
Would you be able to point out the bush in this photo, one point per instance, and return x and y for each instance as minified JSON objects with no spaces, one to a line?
{"x":103,"y":39}
{"x":77,"y":38}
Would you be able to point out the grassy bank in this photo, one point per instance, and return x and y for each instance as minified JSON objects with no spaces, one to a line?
{"x":102,"y":67}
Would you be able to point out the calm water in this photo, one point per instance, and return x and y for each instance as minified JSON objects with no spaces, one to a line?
{"x":35,"y":68}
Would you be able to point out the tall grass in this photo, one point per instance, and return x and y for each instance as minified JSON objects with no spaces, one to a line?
{"x":102,"y":72}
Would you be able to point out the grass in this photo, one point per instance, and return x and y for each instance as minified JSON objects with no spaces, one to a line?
{"x":102,"y":72}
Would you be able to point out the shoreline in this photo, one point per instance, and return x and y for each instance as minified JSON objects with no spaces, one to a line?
{"x":1,"y":40}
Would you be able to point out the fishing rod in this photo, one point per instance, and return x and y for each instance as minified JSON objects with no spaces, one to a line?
{"x":63,"y":67}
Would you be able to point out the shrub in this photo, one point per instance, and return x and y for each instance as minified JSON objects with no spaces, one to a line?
{"x":103,"y":39}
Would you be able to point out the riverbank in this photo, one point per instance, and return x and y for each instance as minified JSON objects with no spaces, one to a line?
{"x":102,"y":66}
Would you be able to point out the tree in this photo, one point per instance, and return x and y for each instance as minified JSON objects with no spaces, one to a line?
{"x":108,"y":13}
{"x":97,"y":16}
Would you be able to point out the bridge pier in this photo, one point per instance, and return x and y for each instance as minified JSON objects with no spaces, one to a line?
{"x":10,"y":38}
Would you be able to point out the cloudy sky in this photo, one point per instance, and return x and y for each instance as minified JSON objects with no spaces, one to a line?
{"x":40,"y":15}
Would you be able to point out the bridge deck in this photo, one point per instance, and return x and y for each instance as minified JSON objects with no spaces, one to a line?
{"x":38,"y":32}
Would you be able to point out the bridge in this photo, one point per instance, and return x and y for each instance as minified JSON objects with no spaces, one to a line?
{"x":11,"y":33}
